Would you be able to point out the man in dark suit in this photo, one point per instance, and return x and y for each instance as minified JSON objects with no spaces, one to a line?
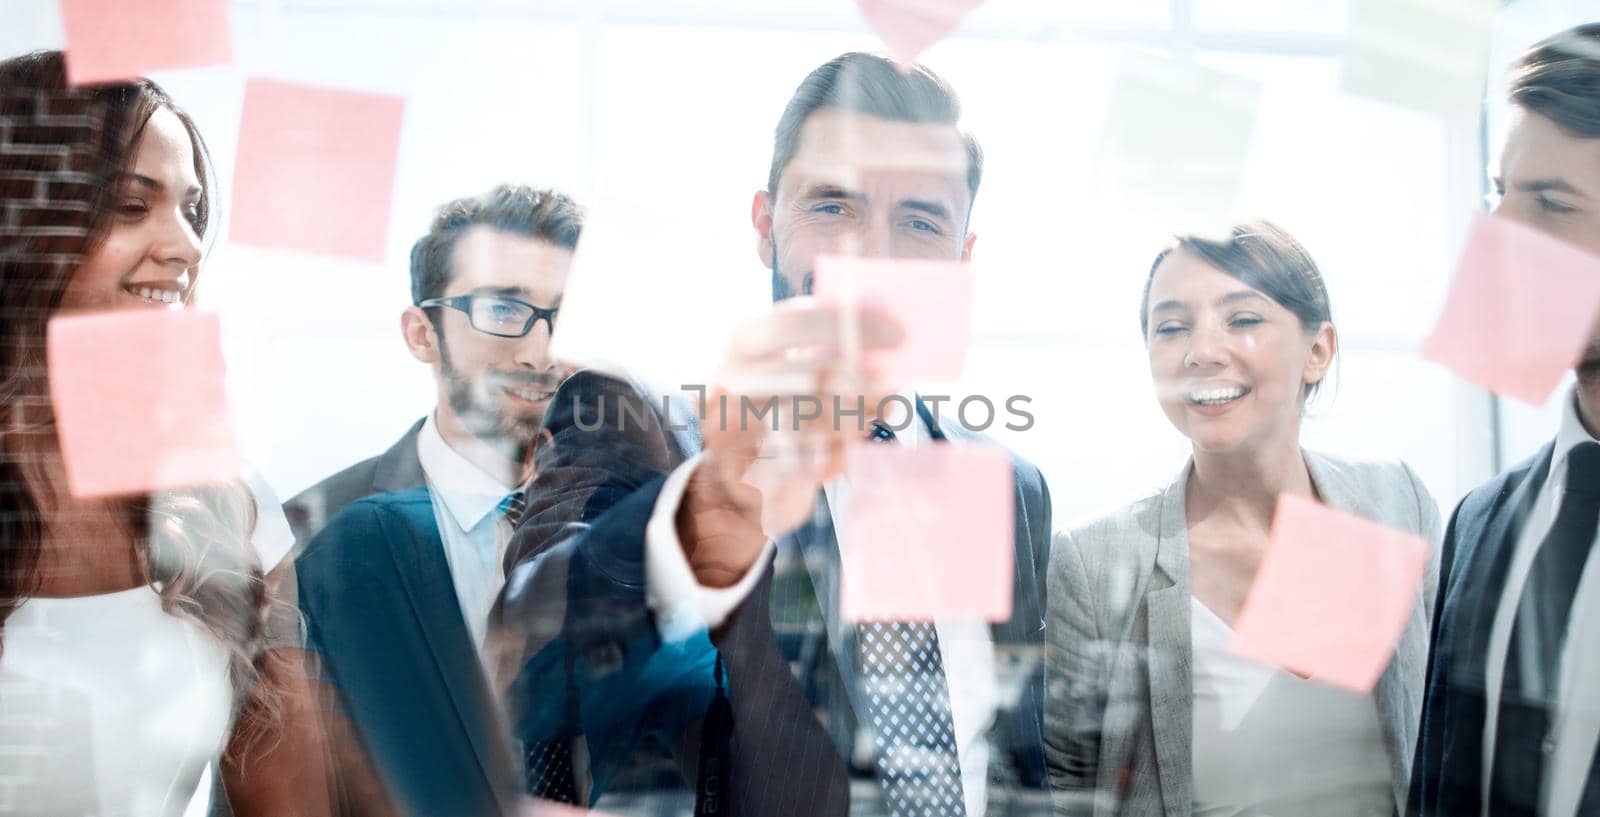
{"x":396,"y":469}
{"x":1509,"y":721}
{"x":479,"y":376}
{"x":670,"y":580}
{"x":396,"y":588}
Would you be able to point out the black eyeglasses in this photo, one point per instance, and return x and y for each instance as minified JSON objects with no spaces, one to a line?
{"x":497,"y":315}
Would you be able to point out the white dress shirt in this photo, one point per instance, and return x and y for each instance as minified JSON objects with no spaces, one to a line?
{"x":466,"y":504}
{"x":1575,"y":724}
{"x":682,"y":606}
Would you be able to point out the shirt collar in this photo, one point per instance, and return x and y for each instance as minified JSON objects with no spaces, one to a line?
{"x":468,"y":493}
{"x":902,"y":417}
{"x":1571,"y":434}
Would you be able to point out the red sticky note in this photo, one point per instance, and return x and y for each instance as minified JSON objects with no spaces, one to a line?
{"x":908,"y":27}
{"x":1520,"y":311}
{"x":139,"y":401}
{"x":926,"y":532}
{"x":1332,"y":595}
{"x":931,"y":300}
{"x":315,"y":169}
{"x":110,"y":40}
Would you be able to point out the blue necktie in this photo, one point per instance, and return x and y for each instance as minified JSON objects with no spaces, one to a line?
{"x":513,"y":507}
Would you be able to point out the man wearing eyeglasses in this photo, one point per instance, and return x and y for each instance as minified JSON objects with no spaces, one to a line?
{"x":396,"y":587}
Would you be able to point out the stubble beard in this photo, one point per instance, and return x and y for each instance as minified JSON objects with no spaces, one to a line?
{"x":510,"y":433}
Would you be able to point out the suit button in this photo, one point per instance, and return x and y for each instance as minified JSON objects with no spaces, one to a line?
{"x":1548,"y":746}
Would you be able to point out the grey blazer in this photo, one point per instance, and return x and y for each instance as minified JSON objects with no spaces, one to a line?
{"x":1119,"y":689}
{"x":398,"y":469}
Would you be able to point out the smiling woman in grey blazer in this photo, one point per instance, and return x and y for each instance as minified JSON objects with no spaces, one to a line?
{"x":1147,"y":713}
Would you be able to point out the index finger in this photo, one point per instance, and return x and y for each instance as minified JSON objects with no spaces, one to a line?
{"x":805,"y":332}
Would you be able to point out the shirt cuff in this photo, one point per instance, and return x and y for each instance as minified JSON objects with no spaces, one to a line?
{"x":682,"y":605}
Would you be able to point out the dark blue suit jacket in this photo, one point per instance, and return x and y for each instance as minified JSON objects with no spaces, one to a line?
{"x":611,"y":445}
{"x":382,"y":616}
{"x":1447,"y":777}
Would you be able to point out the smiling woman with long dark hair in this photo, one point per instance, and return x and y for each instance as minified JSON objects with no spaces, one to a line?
{"x":130,"y":627}
{"x":1146,"y":711}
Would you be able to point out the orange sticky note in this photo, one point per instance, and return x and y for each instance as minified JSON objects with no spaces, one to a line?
{"x":1520,"y":311}
{"x":931,"y":300}
{"x":110,"y":40}
{"x":908,"y":27}
{"x":1332,"y":595}
{"x":139,"y":401}
{"x":315,"y":169}
{"x":926,"y":532}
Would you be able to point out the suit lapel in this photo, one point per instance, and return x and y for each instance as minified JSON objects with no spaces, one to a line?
{"x":424,"y":573}
{"x":1171,"y":654}
{"x":1487,"y":582}
{"x":1485,"y":547}
{"x":1026,"y":624}
{"x":814,"y":547}
{"x":1398,"y":701}
{"x":1450,"y":771}
{"x":400,"y":469}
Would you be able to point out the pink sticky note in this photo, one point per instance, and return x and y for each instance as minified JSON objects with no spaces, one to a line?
{"x":315,"y":169}
{"x":1520,"y":311}
{"x":139,"y":401}
{"x":109,"y":40}
{"x":927,"y":532}
{"x":1332,"y":595}
{"x":535,"y":807}
{"x":931,"y":300}
{"x":908,"y":27}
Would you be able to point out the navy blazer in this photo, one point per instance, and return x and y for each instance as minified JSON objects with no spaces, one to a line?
{"x":382,"y":616}
{"x":611,"y":444}
{"x":1447,"y":777}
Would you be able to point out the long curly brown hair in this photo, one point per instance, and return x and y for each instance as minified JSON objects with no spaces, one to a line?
{"x":61,"y":149}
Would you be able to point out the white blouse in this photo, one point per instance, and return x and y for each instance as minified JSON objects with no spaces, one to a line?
{"x":109,"y":706}
{"x":1270,"y":744}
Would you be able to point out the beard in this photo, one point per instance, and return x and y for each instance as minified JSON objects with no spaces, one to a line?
{"x":487,"y":414}
{"x":782,"y":290}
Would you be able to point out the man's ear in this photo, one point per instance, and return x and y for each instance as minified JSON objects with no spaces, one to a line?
{"x":761,"y":219}
{"x":966,"y":246}
{"x":419,"y":334}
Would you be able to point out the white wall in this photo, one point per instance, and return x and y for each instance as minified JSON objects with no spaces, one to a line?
{"x":664,"y":111}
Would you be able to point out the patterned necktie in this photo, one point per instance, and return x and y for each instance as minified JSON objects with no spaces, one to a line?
{"x":547,"y":765}
{"x":1522,"y":735}
{"x":513,"y":507}
{"x":908,"y":703}
{"x":548,"y":771}
{"x":909,"y":706}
